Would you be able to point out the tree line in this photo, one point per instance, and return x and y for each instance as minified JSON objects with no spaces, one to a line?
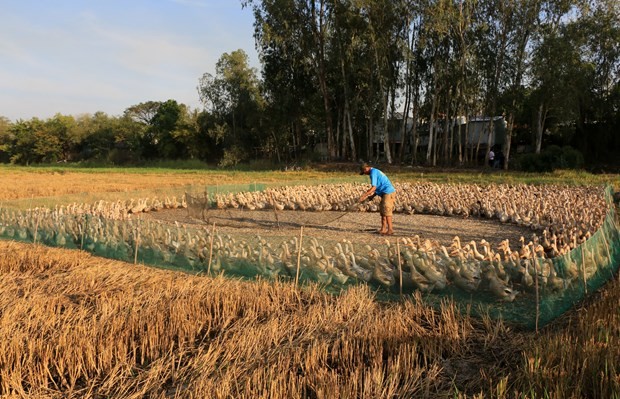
{"x":396,"y":80}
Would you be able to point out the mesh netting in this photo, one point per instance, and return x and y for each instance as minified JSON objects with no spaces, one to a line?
{"x":554,"y":284}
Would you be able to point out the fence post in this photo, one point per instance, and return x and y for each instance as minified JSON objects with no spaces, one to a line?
{"x":301,"y":237}
{"x":211,"y":248}
{"x":136,"y":242}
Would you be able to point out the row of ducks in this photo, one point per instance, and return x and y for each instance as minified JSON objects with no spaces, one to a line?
{"x":121,"y":209}
{"x":570,"y":214}
{"x":412,"y":263}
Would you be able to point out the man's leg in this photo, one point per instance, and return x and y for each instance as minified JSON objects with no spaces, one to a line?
{"x":388,"y":208}
{"x":390,"y":229}
{"x":384,"y":226}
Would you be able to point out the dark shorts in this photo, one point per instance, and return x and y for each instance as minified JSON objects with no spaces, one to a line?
{"x":386,"y":208}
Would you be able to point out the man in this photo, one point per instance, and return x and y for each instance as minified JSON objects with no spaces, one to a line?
{"x":381,"y":186}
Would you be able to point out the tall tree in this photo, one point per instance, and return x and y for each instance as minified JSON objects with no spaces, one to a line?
{"x":233,"y":97}
{"x":556,"y":60}
{"x":526,"y":14}
{"x":300,"y":31}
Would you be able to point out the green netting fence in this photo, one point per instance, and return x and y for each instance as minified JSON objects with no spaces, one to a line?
{"x":560,"y":282}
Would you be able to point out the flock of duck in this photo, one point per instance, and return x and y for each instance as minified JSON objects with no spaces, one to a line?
{"x":562,"y":218}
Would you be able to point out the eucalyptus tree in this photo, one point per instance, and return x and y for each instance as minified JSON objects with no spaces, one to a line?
{"x":385,"y":42}
{"x":436,"y":51}
{"x":410,"y":35}
{"x":353,"y":55}
{"x":598,"y":30}
{"x":557,"y":73}
{"x":347,"y":51}
{"x":498,"y":25}
{"x":526,"y":16}
{"x":461,"y":26}
{"x":294,"y":101}
{"x":298,"y":31}
{"x":466,"y":28}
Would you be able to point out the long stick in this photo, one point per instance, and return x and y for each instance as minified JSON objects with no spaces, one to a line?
{"x":36,"y":228}
{"x":400,"y":270}
{"x":211,"y":248}
{"x":205,"y":206}
{"x":275,"y":211}
{"x":301,"y":237}
{"x":583,"y":268}
{"x":534,"y":260}
{"x":137,"y":243}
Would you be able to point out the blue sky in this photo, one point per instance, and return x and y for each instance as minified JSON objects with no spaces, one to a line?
{"x":82,"y":56}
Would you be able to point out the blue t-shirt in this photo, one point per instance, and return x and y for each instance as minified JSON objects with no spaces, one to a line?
{"x":381,"y":181}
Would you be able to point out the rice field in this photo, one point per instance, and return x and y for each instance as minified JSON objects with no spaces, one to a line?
{"x":79,"y":326}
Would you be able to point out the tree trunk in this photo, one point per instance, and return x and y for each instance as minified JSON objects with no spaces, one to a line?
{"x":540,"y":125}
{"x":475,"y":158}
{"x":342,"y":136}
{"x":322,"y":74}
{"x":294,"y":142}
{"x":414,"y":129}
{"x":447,"y":144}
{"x":371,"y":138}
{"x":490,"y":139}
{"x":508,"y":141}
{"x":386,"y":131}
{"x":403,"y":129}
{"x":351,"y":140}
{"x":431,"y":130}
{"x":275,"y":141}
{"x":460,"y":142}
{"x":347,"y":114}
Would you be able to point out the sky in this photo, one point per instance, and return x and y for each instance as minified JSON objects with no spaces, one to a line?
{"x":77,"y":57}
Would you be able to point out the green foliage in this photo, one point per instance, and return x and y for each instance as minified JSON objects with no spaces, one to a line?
{"x":233,"y":156}
{"x":550,"y":159}
{"x":5,"y":140}
{"x":163,"y":131}
{"x":233,"y":97}
{"x":335,"y":73}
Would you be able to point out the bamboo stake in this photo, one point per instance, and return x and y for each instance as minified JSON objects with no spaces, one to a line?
{"x":136,"y":242}
{"x":205,"y":206}
{"x":211,"y":248}
{"x":83,"y":232}
{"x":36,"y":229}
{"x":301,"y":237}
{"x":275,"y":211}
{"x":400,"y":270}
{"x":583,"y":268}
{"x":534,"y":260}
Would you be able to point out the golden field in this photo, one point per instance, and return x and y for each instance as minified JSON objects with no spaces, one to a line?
{"x":77,"y":326}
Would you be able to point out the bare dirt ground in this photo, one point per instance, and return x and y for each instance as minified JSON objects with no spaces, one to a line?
{"x":357,"y":227}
